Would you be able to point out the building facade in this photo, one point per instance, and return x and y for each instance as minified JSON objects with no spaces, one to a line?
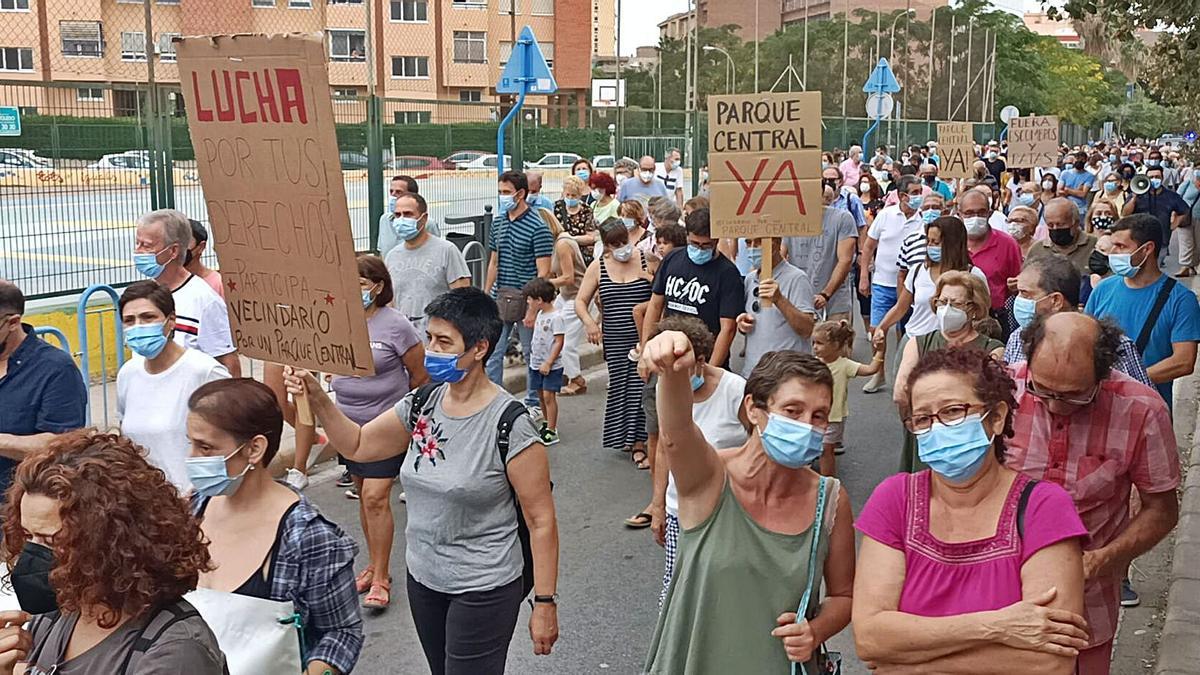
{"x":760,"y":18}
{"x":421,"y":50}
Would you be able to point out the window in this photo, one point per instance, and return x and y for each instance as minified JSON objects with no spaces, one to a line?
{"x":542,"y":7}
{"x":470,"y":95}
{"x":133,"y":46}
{"x":81,"y":38}
{"x":262,"y":3}
{"x":166,"y":48}
{"x":547,"y":52}
{"x":345,"y":92}
{"x":410,"y":10}
{"x":167,"y":2}
{"x":91,"y":94}
{"x":347,"y":45}
{"x":470,"y":3}
{"x":412,"y":117}
{"x":345,"y":2}
{"x":14,"y":5}
{"x":510,"y":6}
{"x":16,"y":58}
{"x":299,"y":4}
{"x":470,"y":46}
{"x":410,"y":66}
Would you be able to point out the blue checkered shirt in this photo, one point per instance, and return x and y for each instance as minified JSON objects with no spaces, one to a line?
{"x":1128,"y":359}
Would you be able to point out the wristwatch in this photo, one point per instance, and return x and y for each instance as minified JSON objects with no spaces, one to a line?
{"x":825,"y":295}
{"x":546,"y":599}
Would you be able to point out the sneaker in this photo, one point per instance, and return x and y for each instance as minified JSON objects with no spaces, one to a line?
{"x":345,"y":480}
{"x":296,"y":479}
{"x":352,"y":493}
{"x":877,"y":382}
{"x":534,"y":411}
{"x":1129,"y":597}
{"x":403,"y":498}
{"x":549,"y":436}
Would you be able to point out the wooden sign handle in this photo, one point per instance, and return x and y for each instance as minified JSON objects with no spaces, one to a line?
{"x":303,"y":410}
{"x":768,"y":264}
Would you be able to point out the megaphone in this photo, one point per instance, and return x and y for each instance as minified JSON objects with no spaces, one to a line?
{"x":1139,"y":184}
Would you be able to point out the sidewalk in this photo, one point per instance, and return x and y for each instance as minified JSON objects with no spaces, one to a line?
{"x":1179,"y":645}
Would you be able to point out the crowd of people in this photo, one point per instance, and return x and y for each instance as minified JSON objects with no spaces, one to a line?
{"x":1021,"y":318}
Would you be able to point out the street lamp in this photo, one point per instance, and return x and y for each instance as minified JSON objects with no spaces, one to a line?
{"x":907,"y":14}
{"x":732,"y":67}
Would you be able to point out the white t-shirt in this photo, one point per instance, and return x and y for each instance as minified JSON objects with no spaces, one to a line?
{"x":717,"y":417}
{"x":890,"y":228}
{"x":153,"y":408}
{"x":920,"y":283}
{"x":201,"y":320}
{"x":672,"y":180}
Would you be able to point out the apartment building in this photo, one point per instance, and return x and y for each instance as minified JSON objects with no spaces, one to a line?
{"x":604,"y":28}
{"x":422,"y":50}
{"x":763,"y":17}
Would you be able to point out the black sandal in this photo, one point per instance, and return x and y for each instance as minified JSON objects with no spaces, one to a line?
{"x":639,"y":522}
{"x":642,"y":464}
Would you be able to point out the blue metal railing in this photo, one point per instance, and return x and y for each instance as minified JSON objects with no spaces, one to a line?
{"x":41,"y":331}
{"x":118,"y":342}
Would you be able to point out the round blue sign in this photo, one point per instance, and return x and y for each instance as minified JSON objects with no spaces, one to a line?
{"x":1190,"y":136}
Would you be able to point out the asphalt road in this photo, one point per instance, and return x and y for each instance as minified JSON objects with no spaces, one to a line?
{"x":57,"y":240}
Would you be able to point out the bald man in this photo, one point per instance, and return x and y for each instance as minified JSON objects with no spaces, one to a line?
{"x":993,"y":251}
{"x":644,"y":186}
{"x":1066,"y":236}
{"x":1099,"y":434}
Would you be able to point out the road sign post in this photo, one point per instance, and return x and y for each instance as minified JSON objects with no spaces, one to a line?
{"x":526,"y":73}
{"x":881,"y":82}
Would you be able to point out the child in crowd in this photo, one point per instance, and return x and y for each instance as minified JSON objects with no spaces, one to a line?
{"x":545,"y":353}
{"x":831,"y":342}
{"x":666,"y":239}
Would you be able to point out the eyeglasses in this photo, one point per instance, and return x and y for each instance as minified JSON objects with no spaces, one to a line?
{"x":1048,"y":396}
{"x":950,"y":416}
{"x":964,"y":306}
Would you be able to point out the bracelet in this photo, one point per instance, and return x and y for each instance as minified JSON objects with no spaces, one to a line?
{"x":825,"y":295}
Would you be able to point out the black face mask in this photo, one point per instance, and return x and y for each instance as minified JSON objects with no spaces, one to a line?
{"x":830,"y":182}
{"x":31,"y":579}
{"x":930,"y":180}
{"x":1061,"y":236}
{"x":1098,"y":263}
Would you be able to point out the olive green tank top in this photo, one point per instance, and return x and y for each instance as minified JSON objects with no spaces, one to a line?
{"x":732,"y":580}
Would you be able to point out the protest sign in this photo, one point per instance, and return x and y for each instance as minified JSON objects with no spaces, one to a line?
{"x":1032,"y":142}
{"x":261,"y":121}
{"x":764,"y":160}
{"x":956,"y":148}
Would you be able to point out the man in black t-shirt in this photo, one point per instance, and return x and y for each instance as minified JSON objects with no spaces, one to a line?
{"x":698,"y":281}
{"x":991,"y":159}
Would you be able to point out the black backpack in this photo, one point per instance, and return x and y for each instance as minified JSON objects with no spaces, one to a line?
{"x":512,"y":412}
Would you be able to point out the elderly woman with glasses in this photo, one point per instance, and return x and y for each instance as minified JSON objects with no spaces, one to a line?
{"x":973,"y":564}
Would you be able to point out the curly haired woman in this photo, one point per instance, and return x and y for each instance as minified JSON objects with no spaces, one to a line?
{"x":102,"y":547}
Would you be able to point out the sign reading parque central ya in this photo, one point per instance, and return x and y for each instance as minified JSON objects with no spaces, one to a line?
{"x":764,"y":162}
{"x":956,"y":148}
{"x":261,"y":121}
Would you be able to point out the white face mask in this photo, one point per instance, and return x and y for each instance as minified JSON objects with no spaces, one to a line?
{"x":646,"y":176}
{"x":1047,"y":185}
{"x":621,"y":178}
{"x":624,"y":253}
{"x":1017,"y":230}
{"x":951,"y":319}
{"x":976,"y":227}
{"x":597,"y":194}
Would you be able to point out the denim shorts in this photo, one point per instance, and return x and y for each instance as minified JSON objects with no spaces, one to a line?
{"x":883,"y":298}
{"x":552,"y":382}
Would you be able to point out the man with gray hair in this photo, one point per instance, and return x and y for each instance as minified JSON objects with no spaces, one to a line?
{"x":644,"y":185}
{"x":201,"y":320}
{"x":1066,"y":236}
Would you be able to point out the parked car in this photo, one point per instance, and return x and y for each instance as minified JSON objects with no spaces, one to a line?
{"x":486,"y":162}
{"x":353,"y":160}
{"x":603,"y":161}
{"x":416,"y":163}
{"x":462,"y":157}
{"x":17,"y":158}
{"x":130,"y":159}
{"x":554,"y":160}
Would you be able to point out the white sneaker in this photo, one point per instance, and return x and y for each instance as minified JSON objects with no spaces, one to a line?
{"x":877,"y":382}
{"x":296,"y":479}
{"x":403,"y":498}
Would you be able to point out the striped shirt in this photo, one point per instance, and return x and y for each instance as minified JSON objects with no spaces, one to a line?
{"x":201,"y":321}
{"x":518,"y":244}
{"x":912,"y":250}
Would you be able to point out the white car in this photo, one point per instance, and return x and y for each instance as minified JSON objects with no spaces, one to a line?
{"x":486,"y":162}
{"x":554,"y":160}
{"x":16,"y":158}
{"x":604,"y":161}
{"x":131,"y":159}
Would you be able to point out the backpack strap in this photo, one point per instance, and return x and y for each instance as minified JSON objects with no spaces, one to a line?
{"x":512,"y":412}
{"x":162,"y":620}
{"x":1160,"y":301}
{"x":1022,"y":504}
{"x":420,"y":397}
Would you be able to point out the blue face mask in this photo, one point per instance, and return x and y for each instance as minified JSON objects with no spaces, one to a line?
{"x":1156,"y":183}
{"x":507,"y":202}
{"x":148,"y":265}
{"x":571,"y":203}
{"x":1112,"y":158}
{"x":367,"y":299}
{"x":1153,"y":162}
{"x":955,"y":453}
{"x":697,"y":382}
{"x":914,"y":202}
{"x":934,"y":253}
{"x":1110,"y":186}
{"x":630,"y":223}
{"x":791,"y":443}
{"x":406,"y":228}
{"x":146,"y":339}
{"x":1024,"y":310}
{"x":1122,"y":265}
{"x":931,"y":215}
{"x":583,"y":174}
{"x":210,"y":476}
{"x":444,"y":367}
{"x":1025,"y":199}
{"x":754,"y":257}
{"x":391,"y":204}
{"x":700,"y":256}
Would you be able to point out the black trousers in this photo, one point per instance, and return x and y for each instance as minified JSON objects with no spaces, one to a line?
{"x":465,"y":633}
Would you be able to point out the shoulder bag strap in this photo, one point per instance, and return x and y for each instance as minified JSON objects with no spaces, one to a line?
{"x":163,"y":619}
{"x":1022,"y":504}
{"x":512,"y":412}
{"x":818,"y":525}
{"x":1164,"y":292}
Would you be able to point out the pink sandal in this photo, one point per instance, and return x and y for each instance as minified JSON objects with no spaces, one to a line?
{"x":380,"y":595}
{"x":364,"y":580}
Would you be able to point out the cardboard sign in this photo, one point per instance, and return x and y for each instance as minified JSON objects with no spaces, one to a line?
{"x":261,"y":121}
{"x":764,"y":159}
{"x":1033,"y":142}
{"x":956,"y":148}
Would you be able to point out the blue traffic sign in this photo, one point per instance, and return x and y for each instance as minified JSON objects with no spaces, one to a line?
{"x":1190,"y":136}
{"x":526,"y":71}
{"x":881,"y":81}
{"x":10,"y":121}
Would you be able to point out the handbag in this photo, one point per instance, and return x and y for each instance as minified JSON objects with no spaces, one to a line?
{"x":256,"y":635}
{"x":827,"y":662}
{"x":511,"y":302}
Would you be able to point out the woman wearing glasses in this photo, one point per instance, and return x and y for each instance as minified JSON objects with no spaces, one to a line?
{"x":959,"y":301}
{"x":973,"y":564}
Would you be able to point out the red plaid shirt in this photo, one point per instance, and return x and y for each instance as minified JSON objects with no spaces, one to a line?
{"x":1123,"y":439}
